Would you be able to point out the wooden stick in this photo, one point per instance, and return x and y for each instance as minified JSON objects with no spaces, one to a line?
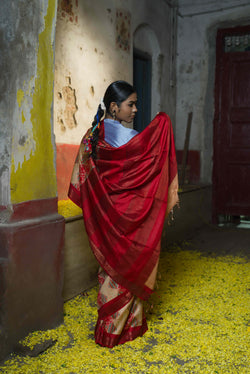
{"x":185,"y":151}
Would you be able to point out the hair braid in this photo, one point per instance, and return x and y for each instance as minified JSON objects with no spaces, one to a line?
{"x":95,"y":134}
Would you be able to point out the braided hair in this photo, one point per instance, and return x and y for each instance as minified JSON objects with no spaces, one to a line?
{"x":117,"y":92}
{"x":95,"y":133}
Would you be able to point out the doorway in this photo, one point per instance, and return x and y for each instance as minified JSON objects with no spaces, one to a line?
{"x":231,"y":169}
{"x":142,"y":76}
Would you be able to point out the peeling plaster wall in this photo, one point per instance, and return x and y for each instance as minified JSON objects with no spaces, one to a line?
{"x":88,"y":59}
{"x":196,"y":58}
{"x":27,"y":60}
{"x":7,"y":100}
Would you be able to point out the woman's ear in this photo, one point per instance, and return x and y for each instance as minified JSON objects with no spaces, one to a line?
{"x":113,"y":107}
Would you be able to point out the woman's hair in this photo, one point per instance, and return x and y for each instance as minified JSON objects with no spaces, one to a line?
{"x":117,"y":92}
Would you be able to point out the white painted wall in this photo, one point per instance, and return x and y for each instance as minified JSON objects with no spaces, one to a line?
{"x":198,"y":22}
{"x":86,"y":52}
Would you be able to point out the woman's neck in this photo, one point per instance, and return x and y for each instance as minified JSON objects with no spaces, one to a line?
{"x":108,"y":116}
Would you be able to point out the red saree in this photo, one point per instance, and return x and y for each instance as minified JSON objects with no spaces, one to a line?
{"x":125,"y":195}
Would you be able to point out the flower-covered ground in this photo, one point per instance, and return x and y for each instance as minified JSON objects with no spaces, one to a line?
{"x":199,"y":323}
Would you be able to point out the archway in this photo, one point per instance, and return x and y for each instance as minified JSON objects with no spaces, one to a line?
{"x":146,"y":43}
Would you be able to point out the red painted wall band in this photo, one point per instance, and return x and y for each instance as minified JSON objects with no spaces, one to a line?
{"x":30,"y":209}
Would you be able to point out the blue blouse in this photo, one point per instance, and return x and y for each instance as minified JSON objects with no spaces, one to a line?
{"x":116,"y":134}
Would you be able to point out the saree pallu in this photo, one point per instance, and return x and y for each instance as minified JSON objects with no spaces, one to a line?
{"x":125,"y":195}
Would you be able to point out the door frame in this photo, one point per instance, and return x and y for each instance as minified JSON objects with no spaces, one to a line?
{"x":218,"y":87}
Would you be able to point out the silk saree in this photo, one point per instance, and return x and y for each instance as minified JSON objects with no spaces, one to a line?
{"x":125,"y":195}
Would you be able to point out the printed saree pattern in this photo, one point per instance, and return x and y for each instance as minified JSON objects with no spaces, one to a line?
{"x":120,"y":314}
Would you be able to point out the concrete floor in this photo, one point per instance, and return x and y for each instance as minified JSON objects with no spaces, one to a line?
{"x":220,"y":241}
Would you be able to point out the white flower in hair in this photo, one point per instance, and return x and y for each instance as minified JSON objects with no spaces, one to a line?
{"x":102,"y":105}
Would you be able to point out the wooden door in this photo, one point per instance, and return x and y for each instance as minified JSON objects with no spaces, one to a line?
{"x":231,"y":171}
{"x":142,"y":82}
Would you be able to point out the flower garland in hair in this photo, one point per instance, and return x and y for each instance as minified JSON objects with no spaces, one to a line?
{"x":89,"y":138}
{"x":103,"y":106}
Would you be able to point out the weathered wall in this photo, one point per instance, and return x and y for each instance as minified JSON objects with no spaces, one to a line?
{"x":197,"y":26}
{"x":26,"y":141}
{"x":86,"y":61}
{"x":94,"y":46}
{"x":31,"y":231}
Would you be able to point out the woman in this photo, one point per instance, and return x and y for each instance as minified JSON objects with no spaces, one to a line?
{"x":125,"y":183}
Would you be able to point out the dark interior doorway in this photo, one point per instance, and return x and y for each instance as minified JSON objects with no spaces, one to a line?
{"x":231,"y":171}
{"x":142,"y":76}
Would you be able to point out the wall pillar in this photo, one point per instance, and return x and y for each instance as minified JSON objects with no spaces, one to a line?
{"x":31,"y":230}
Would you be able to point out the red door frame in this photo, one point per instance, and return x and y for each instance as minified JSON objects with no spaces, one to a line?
{"x":221,"y":33}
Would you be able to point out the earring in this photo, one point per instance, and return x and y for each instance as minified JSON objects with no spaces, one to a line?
{"x":114,"y":115}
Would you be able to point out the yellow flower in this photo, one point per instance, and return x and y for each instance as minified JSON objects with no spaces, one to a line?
{"x":68,"y":209}
{"x":197,"y":325}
